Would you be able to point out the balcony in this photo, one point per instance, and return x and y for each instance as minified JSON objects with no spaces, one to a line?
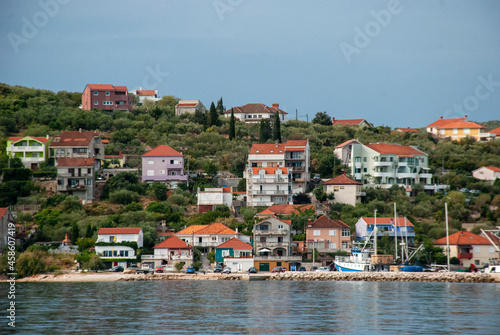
{"x":406,"y":175}
{"x":32,"y":159}
{"x":270,"y":232}
{"x":270,"y":192}
{"x":269,"y":180}
{"x":279,"y":258}
{"x":383,"y":174}
{"x":358,"y":165}
{"x":297,"y":168}
{"x":27,"y":149}
{"x":425,"y":175}
{"x":402,"y":164}
{"x":382,"y":163}
{"x":65,"y":188}
{"x":464,"y":255}
{"x":164,"y":178}
{"x":75,"y":175}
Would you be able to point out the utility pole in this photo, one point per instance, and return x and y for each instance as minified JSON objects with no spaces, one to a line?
{"x":296,"y":115}
{"x":375,"y":231}
{"x":447,"y":236}
{"x":395,"y":233}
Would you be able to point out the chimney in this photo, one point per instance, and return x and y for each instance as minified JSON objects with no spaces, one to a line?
{"x":275,"y":105}
{"x":47,"y":136}
{"x":441,"y":117}
{"x":236,"y":230}
{"x":80,"y":130}
{"x":465,"y":116}
{"x":119,"y":152}
{"x":333,"y":119}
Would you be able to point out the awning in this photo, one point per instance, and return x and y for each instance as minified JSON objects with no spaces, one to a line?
{"x":264,"y":250}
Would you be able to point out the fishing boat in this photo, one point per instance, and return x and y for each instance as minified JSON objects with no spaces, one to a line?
{"x":363,"y":261}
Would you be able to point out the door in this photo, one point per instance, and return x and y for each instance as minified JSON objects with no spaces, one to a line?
{"x":263,"y":266}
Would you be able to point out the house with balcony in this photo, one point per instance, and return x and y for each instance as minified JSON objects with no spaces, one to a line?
{"x":169,"y":252}
{"x":106,"y":97}
{"x":117,"y":246}
{"x":433,"y":128}
{"x":294,"y":154}
{"x":209,"y":236}
{"x":78,"y":144}
{"x":76,"y":177}
{"x":403,"y":229}
{"x":31,"y":150}
{"x":362,"y":123}
{"x":256,"y":112}
{"x":163,"y":164}
{"x":268,"y":186}
{"x":495,"y":132}
{"x":327,"y":235}
{"x":285,"y":210}
{"x":236,"y":254}
{"x":115,"y":161}
{"x":487,"y":173}
{"x":189,"y":107}
{"x":383,"y":165}
{"x":144,"y":95}
{"x":214,"y":197}
{"x":7,"y":227}
{"x":459,"y":128}
{"x":469,"y":248}
{"x":344,"y":189}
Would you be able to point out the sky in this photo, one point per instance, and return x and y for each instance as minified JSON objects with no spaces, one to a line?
{"x":393,"y":63}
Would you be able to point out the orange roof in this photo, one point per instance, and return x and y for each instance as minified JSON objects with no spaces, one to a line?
{"x":105,"y":141}
{"x":3,"y":211}
{"x":325,"y":222}
{"x":173,"y":242}
{"x":269,"y":170}
{"x":460,"y":125}
{"x":192,"y":229}
{"x":493,"y":168}
{"x":39,"y":139}
{"x":227,"y":189}
{"x":146,"y":92}
{"x":121,"y":231}
{"x":170,"y":233}
{"x":348,"y":122}
{"x":387,"y":221}
{"x":345,"y":143}
{"x":75,"y":161}
{"x":255,"y":108}
{"x":270,"y":148}
{"x":395,"y":149}
{"x":296,"y":143}
{"x":341,"y":180}
{"x":408,"y":130}
{"x":442,"y":121}
{"x":74,"y":139}
{"x":495,"y":238}
{"x":215,"y":228}
{"x":495,"y":131}
{"x":286,"y":209}
{"x":101,"y":86}
{"x":235,"y":244}
{"x":162,"y":150}
{"x":463,"y":238}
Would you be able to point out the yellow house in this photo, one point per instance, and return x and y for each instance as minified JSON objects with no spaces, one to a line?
{"x":460,"y":129}
{"x":115,"y":161}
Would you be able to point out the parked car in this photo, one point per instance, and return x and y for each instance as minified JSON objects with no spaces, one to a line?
{"x":278,"y":269}
{"x":252,"y":270}
{"x":159,"y":269}
{"x":317,"y":177}
{"x":474,"y":192}
{"x":116,"y":268}
{"x":218,"y":268}
{"x":464,"y":190}
{"x":302,"y":268}
{"x":131,"y":269}
{"x":314,"y":268}
{"x":323,"y":269}
{"x":227,"y":269}
{"x":190,"y":269}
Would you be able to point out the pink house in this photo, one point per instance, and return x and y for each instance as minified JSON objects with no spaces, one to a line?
{"x":163,"y":164}
{"x":327,"y":235}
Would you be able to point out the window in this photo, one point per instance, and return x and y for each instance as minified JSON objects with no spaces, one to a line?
{"x":316,"y":232}
{"x":151,"y":172}
{"x":280,"y":226}
{"x":357,"y":159}
{"x":96,"y":93}
{"x":280,"y":239}
{"x":346,"y":232}
{"x":264,"y":227}
{"x":477,"y":262}
{"x":333,"y":246}
{"x":112,"y":238}
{"x":342,"y":187}
{"x":357,"y":170}
{"x":260,"y":116}
{"x":441,"y":131}
{"x":162,"y":171}
{"x":151,"y":162}
{"x":89,"y":182}
{"x":107,"y":93}
{"x":96,"y":102}
{"x":477,"y":249}
{"x":332,"y":232}
{"x":214,"y":239}
{"x":364,"y":159}
{"x":455,"y":131}
{"x":466,"y":130}
{"x":262,"y":239}
{"x":491,"y":250}
{"x":364,"y":170}
{"x":60,"y":182}
{"x":225,"y":253}
{"x":335,"y":189}
{"x":345,"y":245}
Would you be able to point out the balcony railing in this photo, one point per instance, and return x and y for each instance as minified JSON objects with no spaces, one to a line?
{"x":279,"y":258}
{"x":270,"y":192}
{"x":269,"y":180}
{"x":270,"y":232}
{"x":27,"y":149}
{"x":75,"y":175}
{"x":382,"y":163}
{"x":462,"y":255}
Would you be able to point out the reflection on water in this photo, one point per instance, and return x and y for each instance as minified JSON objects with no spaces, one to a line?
{"x":231,"y":307}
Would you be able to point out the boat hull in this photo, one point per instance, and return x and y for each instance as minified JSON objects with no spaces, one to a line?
{"x":351,"y":267}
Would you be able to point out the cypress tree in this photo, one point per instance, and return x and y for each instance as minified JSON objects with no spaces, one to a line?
{"x":277,"y":127}
{"x":232,"y":130}
{"x":220,"y":106}
{"x":265,"y":131}
{"x":213,"y":116}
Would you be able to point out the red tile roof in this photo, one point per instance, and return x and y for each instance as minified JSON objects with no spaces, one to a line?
{"x":463,"y":238}
{"x":296,"y":143}
{"x":325,"y":222}
{"x":39,"y":139}
{"x":269,"y":170}
{"x":74,"y":139}
{"x":348,"y":122}
{"x":146,"y":92}
{"x":3,"y":211}
{"x":266,"y":149}
{"x":121,"y":231}
{"x":493,"y":237}
{"x":170,"y":233}
{"x":215,"y":228}
{"x":460,"y":125}
{"x":341,"y":180}
{"x":346,"y":143}
{"x":408,"y":130}
{"x":442,"y":121}
{"x":162,"y":150}
{"x":173,"y":242}
{"x":255,"y":108}
{"x":493,"y":168}
{"x":101,"y":86}
{"x":387,"y":221}
{"x":227,"y":189}
{"x":189,"y":230}
{"x":75,"y":161}
{"x":286,"y":209}
{"x":395,"y":149}
{"x":495,"y":131}
{"x":234,"y":244}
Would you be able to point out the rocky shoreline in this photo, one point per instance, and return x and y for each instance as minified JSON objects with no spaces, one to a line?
{"x":451,"y":277}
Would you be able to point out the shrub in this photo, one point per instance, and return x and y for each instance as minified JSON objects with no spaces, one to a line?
{"x":31,"y":263}
{"x":454,"y":261}
{"x":197,"y":265}
{"x":179,"y":266}
{"x":178,"y":199}
{"x":123,"y":197}
{"x":94,"y":263}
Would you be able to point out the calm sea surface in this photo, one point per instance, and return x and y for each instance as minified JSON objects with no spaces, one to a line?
{"x":230,"y":307}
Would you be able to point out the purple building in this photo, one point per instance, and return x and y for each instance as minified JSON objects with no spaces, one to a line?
{"x":163,"y":164}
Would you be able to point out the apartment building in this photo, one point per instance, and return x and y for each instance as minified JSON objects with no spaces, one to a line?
{"x":76,"y":177}
{"x":106,"y":97}
{"x":269,"y":185}
{"x":77,"y":144}
{"x":163,"y":164}
{"x":31,"y":150}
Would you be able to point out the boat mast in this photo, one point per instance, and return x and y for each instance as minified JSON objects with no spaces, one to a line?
{"x":375,"y":230}
{"x":447,"y":236}
{"x":395,"y":234}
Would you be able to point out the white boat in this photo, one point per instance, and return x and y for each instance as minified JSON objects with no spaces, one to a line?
{"x":358,"y":261}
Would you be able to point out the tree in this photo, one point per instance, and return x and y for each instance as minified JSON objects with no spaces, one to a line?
{"x":232,"y":126}
{"x":277,"y":127}
{"x":213,"y":116}
{"x":168,"y":101}
{"x":265,"y":131}
{"x":242,"y":185}
{"x":211,"y":168}
{"x":322,"y":118}
{"x":220,"y":106}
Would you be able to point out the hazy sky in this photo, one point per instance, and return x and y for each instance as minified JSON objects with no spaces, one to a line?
{"x":394,"y":63}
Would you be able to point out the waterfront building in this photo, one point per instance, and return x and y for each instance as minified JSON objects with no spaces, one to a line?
{"x":402,"y":229}
{"x":236,"y":254}
{"x":327,"y":235}
{"x":114,"y":247}
{"x":169,"y":252}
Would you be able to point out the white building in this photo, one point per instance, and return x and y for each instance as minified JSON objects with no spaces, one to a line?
{"x":254,"y":113}
{"x":189,"y":107}
{"x":144,"y":95}
{"x":488,"y":173}
{"x":384,"y":165}
{"x":109,"y":244}
{"x":267,"y":186}
{"x":344,"y":189}
{"x":214,"y":197}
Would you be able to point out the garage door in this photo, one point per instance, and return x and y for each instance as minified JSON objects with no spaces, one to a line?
{"x":263,"y":266}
